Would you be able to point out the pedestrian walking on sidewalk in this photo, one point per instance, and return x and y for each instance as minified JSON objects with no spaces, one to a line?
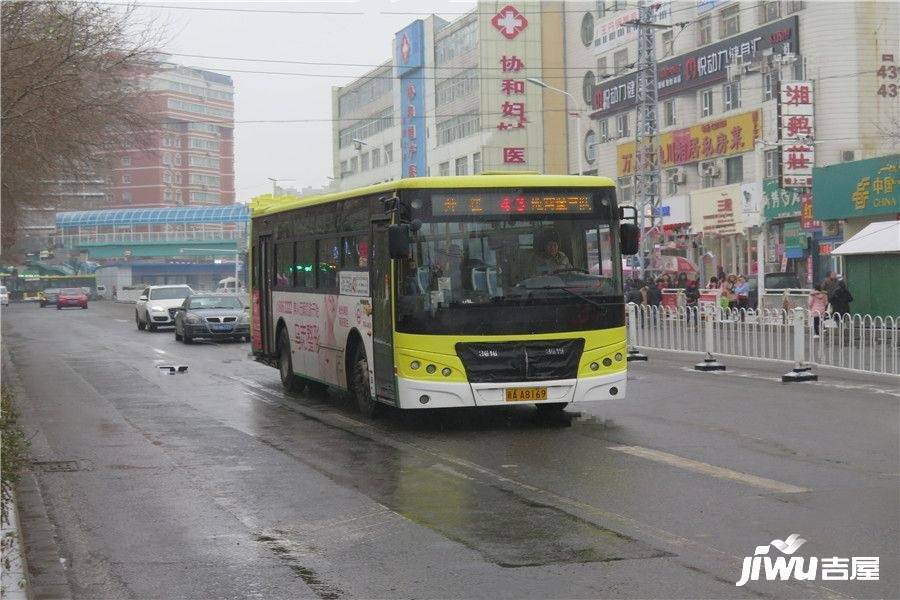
{"x":840,"y":298}
{"x":818,"y":307}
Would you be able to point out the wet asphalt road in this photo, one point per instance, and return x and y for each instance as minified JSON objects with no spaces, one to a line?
{"x":217,"y":484}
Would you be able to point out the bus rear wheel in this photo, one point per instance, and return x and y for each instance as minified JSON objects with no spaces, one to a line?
{"x":289,"y":381}
{"x":359,"y":385}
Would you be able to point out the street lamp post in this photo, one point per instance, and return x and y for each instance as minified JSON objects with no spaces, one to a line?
{"x":577,"y":114}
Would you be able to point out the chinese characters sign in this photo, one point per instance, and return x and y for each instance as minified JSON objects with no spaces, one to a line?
{"x":780,"y":203}
{"x":698,"y":68}
{"x":857,"y":189}
{"x":408,"y":51}
{"x":807,"y":221}
{"x":797,"y":130}
{"x":732,"y":135}
{"x":513,"y":116}
{"x":717,"y":211}
{"x":612,"y":33}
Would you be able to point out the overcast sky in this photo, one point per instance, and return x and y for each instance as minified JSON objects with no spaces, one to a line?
{"x":299,"y":151}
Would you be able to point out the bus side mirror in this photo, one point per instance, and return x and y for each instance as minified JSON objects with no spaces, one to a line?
{"x":398,"y":241}
{"x":629,"y":239}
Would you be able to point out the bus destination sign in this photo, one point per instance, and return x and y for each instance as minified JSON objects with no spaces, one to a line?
{"x":464,"y":204}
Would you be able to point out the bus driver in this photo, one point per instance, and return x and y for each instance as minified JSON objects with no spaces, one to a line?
{"x":550,"y":258}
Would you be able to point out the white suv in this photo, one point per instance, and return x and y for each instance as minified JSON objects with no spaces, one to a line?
{"x":157,"y":304}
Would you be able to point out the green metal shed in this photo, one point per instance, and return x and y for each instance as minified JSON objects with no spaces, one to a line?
{"x":872,"y":269}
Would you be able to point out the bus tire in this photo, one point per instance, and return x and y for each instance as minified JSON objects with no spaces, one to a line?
{"x":552,"y":407}
{"x":289,"y":380}
{"x":368,"y":406}
{"x":140,"y":324}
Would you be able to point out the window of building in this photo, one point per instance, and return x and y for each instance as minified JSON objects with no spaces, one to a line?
{"x":792,"y":6}
{"x":590,"y":146}
{"x":731,"y":95}
{"x":587,"y":87}
{"x":364,"y":161}
{"x":367,"y":127}
{"x":457,"y":128}
{"x":126,"y":161}
{"x":166,"y":159}
{"x":207,"y":180}
{"x":625,"y":191}
{"x":706,"y":103}
{"x":444,"y":169}
{"x":603,"y":127}
{"x":459,"y":42}
{"x":305,"y":264}
{"x":622,"y":126}
{"x":205,"y":197}
{"x":620,"y":59}
{"x":201,"y":109}
{"x":463,"y":85}
{"x":329,"y":261}
{"x":127,"y":197}
{"x":704,"y":31}
{"x":462,"y":165}
{"x":771,"y":160}
{"x":799,"y":68}
{"x":601,"y":8}
{"x":366,"y":93}
{"x":376,"y":158}
{"x":178,"y":177}
{"x":668,"y":43}
{"x":167,"y":196}
{"x":587,"y":29}
{"x":206,"y":162}
{"x":178,"y":197}
{"x":668,"y":113}
{"x":734,"y":169}
{"x":731,"y":21}
{"x":344,"y":170}
{"x":203,"y":144}
{"x":769,"y":10}
{"x":602,"y":69}
{"x":126,"y":178}
{"x":388,"y":153}
{"x":770,"y":84}
{"x":476,"y":163}
{"x":177,"y":160}
{"x":167,"y":177}
{"x":354,"y":165}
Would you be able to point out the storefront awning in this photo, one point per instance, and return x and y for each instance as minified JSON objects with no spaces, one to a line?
{"x":876,"y":238}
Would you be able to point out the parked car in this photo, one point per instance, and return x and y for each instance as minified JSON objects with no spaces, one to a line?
{"x":157,"y":305}
{"x":775,"y":282}
{"x":4,"y":296}
{"x":214,"y":316}
{"x":69,"y":297}
{"x":48,"y":297}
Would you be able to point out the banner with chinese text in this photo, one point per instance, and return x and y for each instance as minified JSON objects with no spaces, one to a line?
{"x":857,"y":189}
{"x":723,"y":137}
{"x":780,"y":203}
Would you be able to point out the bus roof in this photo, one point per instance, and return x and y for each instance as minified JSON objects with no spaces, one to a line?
{"x":267,"y":205}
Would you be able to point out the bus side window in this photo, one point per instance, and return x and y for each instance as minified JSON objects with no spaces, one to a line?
{"x":305,"y":264}
{"x":329,"y":260}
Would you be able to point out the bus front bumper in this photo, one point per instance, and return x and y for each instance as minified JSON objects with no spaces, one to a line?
{"x":414,"y":393}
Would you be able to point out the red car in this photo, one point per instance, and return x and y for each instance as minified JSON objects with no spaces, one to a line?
{"x":71,"y":297}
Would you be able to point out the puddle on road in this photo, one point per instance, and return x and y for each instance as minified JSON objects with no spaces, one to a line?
{"x":505,"y":528}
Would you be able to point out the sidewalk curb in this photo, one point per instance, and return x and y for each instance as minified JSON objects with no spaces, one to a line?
{"x":45,"y":576}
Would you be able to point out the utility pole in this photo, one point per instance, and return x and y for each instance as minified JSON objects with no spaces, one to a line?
{"x":646,"y":170}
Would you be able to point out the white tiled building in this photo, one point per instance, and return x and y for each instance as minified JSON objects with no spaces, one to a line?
{"x":837,"y":47}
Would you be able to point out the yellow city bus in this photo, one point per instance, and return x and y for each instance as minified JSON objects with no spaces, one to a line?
{"x":439,"y":292}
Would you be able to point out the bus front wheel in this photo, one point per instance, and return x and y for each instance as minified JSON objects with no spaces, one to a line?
{"x":291,"y":382}
{"x":359,"y":385}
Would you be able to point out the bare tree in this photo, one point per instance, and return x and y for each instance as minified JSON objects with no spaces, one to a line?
{"x":70,"y":74}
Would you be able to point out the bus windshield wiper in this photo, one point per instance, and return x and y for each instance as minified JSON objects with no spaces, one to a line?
{"x":570,"y":291}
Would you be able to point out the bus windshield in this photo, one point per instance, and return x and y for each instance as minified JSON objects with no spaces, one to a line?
{"x":510,"y":275}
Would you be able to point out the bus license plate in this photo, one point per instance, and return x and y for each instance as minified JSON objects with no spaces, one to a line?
{"x":526,"y":394}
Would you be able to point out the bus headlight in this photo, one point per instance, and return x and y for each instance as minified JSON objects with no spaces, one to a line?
{"x":607,"y":362}
{"x":594,"y":366}
{"x":446,"y":371}
{"x":431,"y":369}
{"x":414,"y":365}
{"x":618,"y":356}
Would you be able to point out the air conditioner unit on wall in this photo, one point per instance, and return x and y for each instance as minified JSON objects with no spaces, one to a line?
{"x":678,"y":177}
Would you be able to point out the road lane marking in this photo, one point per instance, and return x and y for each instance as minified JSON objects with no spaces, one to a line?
{"x":707,"y":469}
{"x":158,"y":351}
{"x":122,"y":320}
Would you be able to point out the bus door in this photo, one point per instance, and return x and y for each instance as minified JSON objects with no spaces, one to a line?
{"x":265,"y":273}
{"x":382,"y":318}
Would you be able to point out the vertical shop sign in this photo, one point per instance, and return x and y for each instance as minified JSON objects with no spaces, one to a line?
{"x":797,"y":132}
{"x":409,"y":57}
{"x":509,"y":22}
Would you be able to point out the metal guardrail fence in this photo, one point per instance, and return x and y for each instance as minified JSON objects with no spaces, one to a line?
{"x":857,"y":342}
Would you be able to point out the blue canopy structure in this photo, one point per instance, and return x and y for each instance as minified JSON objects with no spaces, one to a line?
{"x":228,"y":213}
